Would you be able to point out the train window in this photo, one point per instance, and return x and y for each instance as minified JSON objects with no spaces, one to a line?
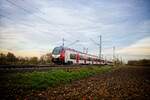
{"x":89,"y":59}
{"x":72,"y":56}
{"x":57,"y":50}
{"x":81,"y":58}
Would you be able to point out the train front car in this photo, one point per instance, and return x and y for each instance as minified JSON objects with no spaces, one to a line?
{"x":58,"y":55}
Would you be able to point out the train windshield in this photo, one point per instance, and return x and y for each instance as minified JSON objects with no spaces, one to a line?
{"x":57,"y":50}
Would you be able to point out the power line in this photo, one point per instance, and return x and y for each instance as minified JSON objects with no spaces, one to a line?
{"x":73,"y":43}
{"x":18,"y":6}
{"x":27,"y":25}
{"x":35,"y":8}
{"x":94,"y":42}
{"x":13,"y":20}
{"x":27,"y":11}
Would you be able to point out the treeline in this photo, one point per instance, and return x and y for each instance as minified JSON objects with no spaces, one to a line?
{"x":145,"y":62}
{"x":11,"y":59}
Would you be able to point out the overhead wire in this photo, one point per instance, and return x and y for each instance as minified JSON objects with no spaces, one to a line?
{"x":94,"y":41}
{"x":33,"y":7}
{"x":27,"y":11}
{"x":13,"y":20}
{"x":72,"y":43}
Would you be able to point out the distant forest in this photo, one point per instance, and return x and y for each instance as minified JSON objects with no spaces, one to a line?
{"x":145,"y":62}
{"x":11,"y":59}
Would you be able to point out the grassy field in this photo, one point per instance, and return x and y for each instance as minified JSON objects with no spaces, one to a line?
{"x":42,"y":80}
{"x":21,"y":84}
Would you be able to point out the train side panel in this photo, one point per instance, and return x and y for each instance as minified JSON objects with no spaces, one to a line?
{"x":70,"y":57}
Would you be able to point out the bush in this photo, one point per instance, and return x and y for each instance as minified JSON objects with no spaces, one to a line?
{"x":145,"y":62}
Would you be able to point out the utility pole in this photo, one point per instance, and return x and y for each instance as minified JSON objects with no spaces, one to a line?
{"x":113,"y":52}
{"x":100,"y":46}
{"x":83,"y":50}
{"x":114,"y":58}
{"x":63,"y":40}
{"x":121,"y":60}
{"x":86,"y":50}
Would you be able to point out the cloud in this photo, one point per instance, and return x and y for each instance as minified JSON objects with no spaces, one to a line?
{"x":47,"y":22}
{"x":138,"y":50}
{"x":24,"y":53}
{"x":141,"y":47}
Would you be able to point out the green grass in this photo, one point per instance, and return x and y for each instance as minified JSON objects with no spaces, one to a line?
{"x":41,"y":80}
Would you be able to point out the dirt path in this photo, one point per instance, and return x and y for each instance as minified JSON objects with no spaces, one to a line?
{"x":124,"y":83}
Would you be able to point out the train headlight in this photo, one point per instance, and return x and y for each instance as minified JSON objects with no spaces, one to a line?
{"x":55,"y":56}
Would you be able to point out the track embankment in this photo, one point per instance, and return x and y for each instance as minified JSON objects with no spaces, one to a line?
{"x":30,"y":68}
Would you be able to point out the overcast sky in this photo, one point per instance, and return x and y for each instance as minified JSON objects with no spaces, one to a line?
{"x":35,"y":27}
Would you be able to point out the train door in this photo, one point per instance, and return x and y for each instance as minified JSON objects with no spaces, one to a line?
{"x":84,"y":59}
{"x":62,"y":56}
{"x":66,"y":56}
{"x":77,"y":58}
{"x":96,"y":61}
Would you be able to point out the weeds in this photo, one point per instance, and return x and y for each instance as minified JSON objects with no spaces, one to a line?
{"x":40,"y":80}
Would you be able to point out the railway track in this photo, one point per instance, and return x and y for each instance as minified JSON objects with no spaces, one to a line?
{"x":30,"y":68}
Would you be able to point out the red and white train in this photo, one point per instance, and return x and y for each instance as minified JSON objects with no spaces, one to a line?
{"x":62,"y":55}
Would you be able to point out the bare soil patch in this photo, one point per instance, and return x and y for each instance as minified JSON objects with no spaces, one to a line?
{"x":123,"y":83}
